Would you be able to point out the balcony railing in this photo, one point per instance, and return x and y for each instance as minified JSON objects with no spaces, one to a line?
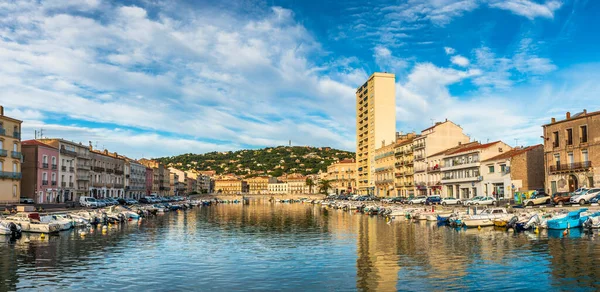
{"x":83,"y":177}
{"x":419,"y":146}
{"x":10,"y":175}
{"x":2,"y":131}
{"x":63,"y":184}
{"x":17,"y":135}
{"x":3,"y":153}
{"x":68,"y":152}
{"x":16,"y":155}
{"x":118,"y":186}
{"x":577,"y":166}
{"x":98,"y":169}
{"x":83,"y":166}
{"x":108,"y":170}
{"x":44,"y":182}
{"x":71,"y":184}
{"x":54,"y":166}
{"x":63,"y":168}
{"x":53,"y":183}
{"x":45,"y":165}
{"x":72,"y":169}
{"x":118,"y":172}
{"x":433,"y":168}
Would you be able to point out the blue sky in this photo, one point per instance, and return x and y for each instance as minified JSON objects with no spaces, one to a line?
{"x":155,"y":78}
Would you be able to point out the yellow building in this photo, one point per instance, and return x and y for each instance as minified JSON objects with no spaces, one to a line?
{"x":375,"y":123}
{"x":230,"y":186}
{"x":404,"y":180}
{"x":10,"y":159}
{"x":296,"y":184}
{"x":342,"y":176}
{"x":260,"y":184}
{"x":384,"y":170}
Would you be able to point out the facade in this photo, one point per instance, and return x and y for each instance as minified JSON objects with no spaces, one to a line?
{"x":572,"y":152}
{"x":39,"y":175}
{"x":404,"y":163}
{"x":10,"y":159}
{"x":434,"y":170}
{"x":279,"y":188}
{"x":191,"y":185}
{"x":260,"y":184}
{"x":296,"y":184}
{"x":520,"y":169}
{"x":342,"y":176}
{"x":73,"y":169}
{"x":107,"y":174}
{"x":135,"y":179}
{"x":375,"y":124}
{"x":230,"y":186}
{"x":461,"y":171}
{"x":385,"y":170}
{"x":160,"y":177}
{"x":441,"y":136}
{"x":149,"y":181}
{"x":178,"y":181}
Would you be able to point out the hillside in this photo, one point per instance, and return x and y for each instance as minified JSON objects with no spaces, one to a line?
{"x":268,"y":161}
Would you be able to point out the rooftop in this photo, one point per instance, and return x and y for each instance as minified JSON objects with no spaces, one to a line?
{"x":36,"y":143}
{"x":569,"y":117}
{"x":455,"y":148}
{"x":473,"y":147}
{"x":513,"y":152}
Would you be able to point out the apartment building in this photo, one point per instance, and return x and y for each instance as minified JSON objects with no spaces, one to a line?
{"x":520,"y":169}
{"x":106,"y":174}
{"x":160,"y":177}
{"x":462,"y":172}
{"x":10,"y":165}
{"x":404,"y":164}
{"x":149,"y":181}
{"x":375,"y":123}
{"x":385,"y":169}
{"x":572,"y":152}
{"x":135,"y":179}
{"x":40,"y":172}
{"x":434,"y":171}
{"x":342,"y":176}
{"x":296,"y":184}
{"x":230,"y":186}
{"x":279,"y":188}
{"x":177,"y":181}
{"x":260,"y":184}
{"x":441,"y":136}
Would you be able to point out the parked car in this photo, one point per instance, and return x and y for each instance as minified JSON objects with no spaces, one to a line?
{"x":537,"y":199}
{"x":580,"y":191}
{"x":561,"y":198}
{"x":433,"y":200}
{"x":595,"y":200}
{"x":417,"y":200}
{"x":485,"y":201}
{"x":472,"y":201}
{"x":145,"y":200}
{"x":450,"y":201}
{"x":88,"y":202}
{"x":27,"y":201}
{"x":399,"y":200}
{"x":131,"y":201}
{"x":585,"y":196}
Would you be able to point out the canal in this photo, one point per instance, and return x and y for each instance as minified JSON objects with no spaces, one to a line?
{"x":303,"y":247}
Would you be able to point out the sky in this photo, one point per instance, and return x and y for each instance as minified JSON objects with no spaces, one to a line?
{"x":157,"y":78}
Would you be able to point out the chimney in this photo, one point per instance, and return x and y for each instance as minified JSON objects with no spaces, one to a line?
{"x":568,"y":115}
{"x":1,"y":111}
{"x":553,"y":120}
{"x":584,"y":111}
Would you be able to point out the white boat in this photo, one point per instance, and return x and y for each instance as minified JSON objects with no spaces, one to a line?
{"x":485,"y":218}
{"x":30,"y":222}
{"x":64,"y":224}
{"x":9,"y":228}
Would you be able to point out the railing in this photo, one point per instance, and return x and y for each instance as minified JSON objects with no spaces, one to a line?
{"x":2,"y":131}
{"x":3,"y":153}
{"x":98,"y":169}
{"x":44,"y":182}
{"x":83,"y":155}
{"x":83,"y":166}
{"x":53,"y":183}
{"x":108,"y":170}
{"x":11,"y":175}
{"x":118,"y":186}
{"x":45,"y":165}
{"x":71,"y":184}
{"x":68,"y":152}
{"x":63,"y":168}
{"x":420,"y":170}
{"x":71,"y":169}
{"x":54,"y":166}
{"x":119,"y":172}
{"x":571,"y":166}
{"x":16,"y":155}
{"x":419,"y":157}
{"x":63,"y":184}
{"x":433,"y":168}
{"x":83,"y":177}
{"x":17,"y":135}
{"x":419,"y":146}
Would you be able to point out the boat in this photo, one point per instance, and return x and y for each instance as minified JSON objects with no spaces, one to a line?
{"x":592,"y":222}
{"x":485,"y":218}
{"x":64,"y":224}
{"x":10,"y":228}
{"x":30,"y":222}
{"x":572,"y":220}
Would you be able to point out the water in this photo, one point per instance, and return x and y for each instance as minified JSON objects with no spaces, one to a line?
{"x":269,"y":247}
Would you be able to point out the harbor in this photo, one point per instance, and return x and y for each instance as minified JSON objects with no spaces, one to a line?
{"x":291,"y":244}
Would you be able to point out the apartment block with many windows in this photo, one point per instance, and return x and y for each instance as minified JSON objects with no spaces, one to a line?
{"x":10,"y":159}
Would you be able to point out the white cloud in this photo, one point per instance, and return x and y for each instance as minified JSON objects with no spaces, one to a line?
{"x":460,"y":61}
{"x":528,"y":8}
{"x":449,"y":50}
{"x":387,"y":62}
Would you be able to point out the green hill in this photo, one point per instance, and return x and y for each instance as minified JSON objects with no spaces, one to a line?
{"x":269,"y":161}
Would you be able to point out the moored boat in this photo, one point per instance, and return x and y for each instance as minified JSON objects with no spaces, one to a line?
{"x":485,"y":218}
{"x":571,"y":220}
{"x":30,"y":222}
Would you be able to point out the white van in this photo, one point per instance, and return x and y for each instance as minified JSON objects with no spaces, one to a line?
{"x":88,"y":202}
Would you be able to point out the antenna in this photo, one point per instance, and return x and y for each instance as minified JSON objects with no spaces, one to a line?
{"x":516,"y":142}
{"x":432,"y":121}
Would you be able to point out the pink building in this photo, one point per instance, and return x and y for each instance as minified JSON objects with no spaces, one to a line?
{"x":149,"y":179}
{"x":40,"y":172}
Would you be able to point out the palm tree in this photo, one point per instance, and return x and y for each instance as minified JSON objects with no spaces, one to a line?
{"x":324,"y":186}
{"x":310,"y":183}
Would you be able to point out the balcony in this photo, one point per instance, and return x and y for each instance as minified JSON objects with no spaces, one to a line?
{"x":433,"y":168}
{"x":84,"y":155}
{"x":63,"y":184}
{"x":118,"y":186}
{"x":3,"y":153}
{"x":71,"y":184}
{"x":44,"y":182}
{"x":72,"y":169}
{"x":54,"y":167}
{"x":10,"y":175}
{"x":83,"y":166}
{"x":98,"y":169}
{"x":2,"y":131}
{"x":418,"y":146}
{"x":459,"y":165}
{"x":16,"y":155}
{"x":97,"y":184}
{"x":68,"y":152}
{"x":53,"y":183}
{"x":419,"y":170}
{"x":451,"y":179}
{"x":83,"y":177}
{"x":45,"y":165}
{"x":17,"y":135}
{"x":108,"y":170}
{"x":419,"y":157}
{"x":63,"y":168}
{"x":119,"y":172}
{"x":569,"y":167}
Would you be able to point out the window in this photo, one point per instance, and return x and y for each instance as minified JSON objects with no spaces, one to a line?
{"x":584,"y":155}
{"x":555,"y":139}
{"x":503,"y":167}
{"x":53,"y":160}
{"x":14,"y":193}
{"x":1,"y":166}
{"x":570,"y":156}
{"x":54,"y":177}
{"x":569,"y":136}
{"x":45,"y":176}
{"x":557,"y":158}
{"x":45,"y":159}
{"x":15,"y":147}
{"x":15,"y":167}
{"x":491,"y":168}
{"x":583,"y":138}
{"x":1,"y":144}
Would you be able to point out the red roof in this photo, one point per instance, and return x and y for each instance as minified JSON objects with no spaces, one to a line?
{"x":347,"y":161}
{"x":455,"y":148}
{"x":36,"y":143}
{"x":513,"y":153}
{"x":474,"y":147}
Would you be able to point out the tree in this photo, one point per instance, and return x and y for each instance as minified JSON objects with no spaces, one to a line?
{"x":324,"y":186}
{"x":310,"y":183}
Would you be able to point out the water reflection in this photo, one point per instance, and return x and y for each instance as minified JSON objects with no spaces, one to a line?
{"x":299,"y":246}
